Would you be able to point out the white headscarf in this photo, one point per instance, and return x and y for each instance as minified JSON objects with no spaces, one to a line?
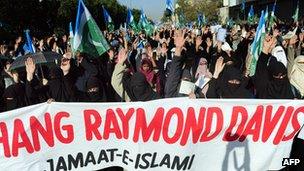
{"x":297,"y":74}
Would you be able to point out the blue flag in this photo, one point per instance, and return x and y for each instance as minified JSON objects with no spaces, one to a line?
{"x":108,"y":20}
{"x":169,"y":6}
{"x":243,"y":5}
{"x":28,"y":46}
{"x":251,"y":15}
{"x":71,"y":30}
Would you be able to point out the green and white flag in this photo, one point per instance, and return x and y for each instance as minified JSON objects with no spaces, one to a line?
{"x":272,"y":16}
{"x":108,"y":20}
{"x":257,"y":44}
{"x":71,"y":37}
{"x":88,"y":38}
{"x":296,"y":14}
{"x":131,"y":22}
{"x":144,"y":24}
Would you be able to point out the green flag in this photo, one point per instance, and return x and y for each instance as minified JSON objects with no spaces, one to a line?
{"x":131,"y":22}
{"x":144,"y":24}
{"x":296,"y":14}
{"x":257,"y":45}
{"x":272,"y":17}
{"x":88,"y":37}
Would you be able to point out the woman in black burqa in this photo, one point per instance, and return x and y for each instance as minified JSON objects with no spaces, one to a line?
{"x":271,"y":81}
{"x":227,"y":82}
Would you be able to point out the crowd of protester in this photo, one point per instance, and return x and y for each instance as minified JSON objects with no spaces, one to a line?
{"x":143,"y":68}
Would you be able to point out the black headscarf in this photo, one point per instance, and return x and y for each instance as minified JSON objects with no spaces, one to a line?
{"x":229,"y":90}
{"x":59,"y":87}
{"x":140,"y":89}
{"x":14,"y":96}
{"x":278,"y":88}
{"x":98,"y":95}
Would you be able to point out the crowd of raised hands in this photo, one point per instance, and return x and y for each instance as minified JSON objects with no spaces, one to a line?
{"x":170,"y":63}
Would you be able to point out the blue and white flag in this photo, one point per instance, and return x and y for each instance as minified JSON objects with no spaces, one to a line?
{"x":251,"y":15}
{"x":108,"y":20}
{"x":28,"y":46}
{"x":169,"y":6}
{"x":243,"y":5}
{"x":71,"y":30}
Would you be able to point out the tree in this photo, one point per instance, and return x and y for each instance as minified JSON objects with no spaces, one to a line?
{"x":42,"y":17}
{"x":191,"y":9}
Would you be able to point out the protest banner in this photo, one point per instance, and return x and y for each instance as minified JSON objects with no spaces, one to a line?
{"x":168,"y":134}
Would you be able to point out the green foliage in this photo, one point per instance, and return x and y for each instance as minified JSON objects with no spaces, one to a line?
{"x":43,"y":17}
{"x":191,"y":9}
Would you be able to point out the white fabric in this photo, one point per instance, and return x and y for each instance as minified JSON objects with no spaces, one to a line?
{"x":180,"y":131}
{"x":279,"y":53}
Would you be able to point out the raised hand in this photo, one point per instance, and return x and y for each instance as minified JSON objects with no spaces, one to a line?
{"x":65,"y":66}
{"x":179,"y":41}
{"x":44,"y":81}
{"x":301,"y":37}
{"x":122,"y":56}
{"x":30,"y":68}
{"x":219,"y":66}
{"x":269,"y":44}
{"x":111,"y":54}
{"x":68,"y":55}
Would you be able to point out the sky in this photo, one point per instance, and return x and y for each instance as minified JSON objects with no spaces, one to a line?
{"x":153,"y":8}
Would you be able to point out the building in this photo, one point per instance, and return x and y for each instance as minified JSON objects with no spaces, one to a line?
{"x":284,"y":9}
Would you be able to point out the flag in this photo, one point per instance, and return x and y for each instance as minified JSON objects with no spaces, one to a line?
{"x":144,"y":24}
{"x":266,"y":14}
{"x":251,"y":15}
{"x":243,"y":5}
{"x":272,"y":16}
{"x":169,"y":7}
{"x":230,"y":23}
{"x":201,"y":20}
{"x":71,"y":37}
{"x":257,"y":45}
{"x":181,"y":20}
{"x":131,"y":22}
{"x":28,"y":47}
{"x":88,"y":38}
{"x":296,"y":14}
{"x":108,"y":20}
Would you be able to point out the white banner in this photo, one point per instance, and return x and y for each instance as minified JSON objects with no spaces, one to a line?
{"x":169,"y":134}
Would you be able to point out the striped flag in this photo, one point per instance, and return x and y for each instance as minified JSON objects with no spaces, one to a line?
{"x":144,"y":24}
{"x":169,"y":7}
{"x":251,"y":15}
{"x":28,"y":46}
{"x":272,"y":16}
{"x":296,"y":14}
{"x":71,"y":37}
{"x":88,"y":38}
{"x":108,"y":20}
{"x":131,"y":22}
{"x":243,"y":5}
{"x":257,"y":45}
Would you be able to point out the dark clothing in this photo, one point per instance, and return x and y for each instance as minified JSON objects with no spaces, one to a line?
{"x":61,"y":87}
{"x":267,"y":87}
{"x":14,"y":96}
{"x":221,"y":88}
{"x":174,"y":77}
{"x":83,"y":73}
{"x":141,"y":89}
